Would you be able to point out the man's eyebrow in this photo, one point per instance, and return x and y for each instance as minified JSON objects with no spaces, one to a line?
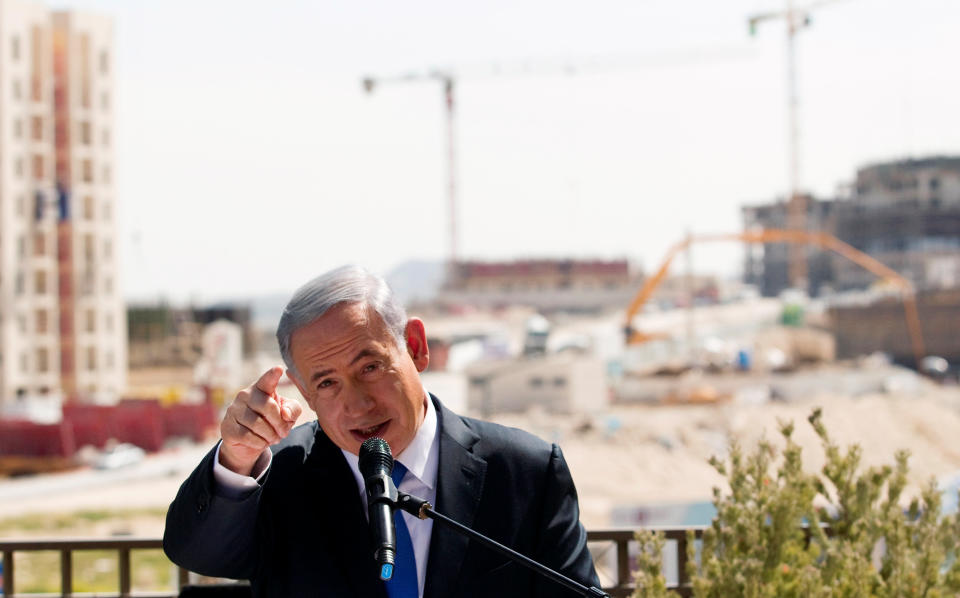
{"x":320,"y":374}
{"x":361,"y":355}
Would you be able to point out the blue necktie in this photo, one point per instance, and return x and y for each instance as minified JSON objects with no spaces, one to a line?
{"x":403,"y":584}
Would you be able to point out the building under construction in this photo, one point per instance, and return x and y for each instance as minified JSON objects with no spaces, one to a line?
{"x":905,"y":213}
{"x":548,"y":285}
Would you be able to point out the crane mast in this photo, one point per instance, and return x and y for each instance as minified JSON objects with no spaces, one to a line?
{"x":796,"y":19}
{"x":448,"y":85}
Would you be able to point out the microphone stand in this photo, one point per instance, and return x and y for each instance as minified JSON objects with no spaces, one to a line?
{"x":423,"y":509}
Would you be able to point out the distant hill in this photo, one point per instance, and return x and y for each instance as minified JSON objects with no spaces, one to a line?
{"x":417,"y":280}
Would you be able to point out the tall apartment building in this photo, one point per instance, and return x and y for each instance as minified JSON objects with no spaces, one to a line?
{"x":62,"y":325}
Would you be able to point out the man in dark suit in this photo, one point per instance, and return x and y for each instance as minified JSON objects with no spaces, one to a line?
{"x":285,"y":508}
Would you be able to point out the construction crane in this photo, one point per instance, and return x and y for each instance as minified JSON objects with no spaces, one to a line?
{"x":796,"y":19}
{"x":448,"y":82}
{"x":794,"y":237}
{"x":447,"y":77}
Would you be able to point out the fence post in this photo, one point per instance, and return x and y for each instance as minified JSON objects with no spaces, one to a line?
{"x":8,"y":573}
{"x":124,"y":572}
{"x":66,"y":572}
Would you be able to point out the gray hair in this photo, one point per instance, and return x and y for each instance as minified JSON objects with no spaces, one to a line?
{"x":346,"y":284}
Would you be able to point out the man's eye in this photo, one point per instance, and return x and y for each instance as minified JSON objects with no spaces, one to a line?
{"x":370,"y":367}
{"x":325,"y":384}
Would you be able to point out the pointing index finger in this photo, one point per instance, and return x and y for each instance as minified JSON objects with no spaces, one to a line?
{"x":267,"y":384}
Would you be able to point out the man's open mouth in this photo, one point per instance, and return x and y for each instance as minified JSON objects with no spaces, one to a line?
{"x":365,"y":433}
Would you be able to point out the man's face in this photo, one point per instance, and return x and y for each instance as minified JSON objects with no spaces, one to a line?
{"x":356,"y":379}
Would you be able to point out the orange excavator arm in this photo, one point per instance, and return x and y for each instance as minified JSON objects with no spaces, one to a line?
{"x":819,"y":239}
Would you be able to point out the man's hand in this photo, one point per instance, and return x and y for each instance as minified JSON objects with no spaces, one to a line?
{"x":257,"y":418}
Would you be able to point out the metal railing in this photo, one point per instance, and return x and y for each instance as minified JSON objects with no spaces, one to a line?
{"x":611,"y":548}
{"x":66,"y":548}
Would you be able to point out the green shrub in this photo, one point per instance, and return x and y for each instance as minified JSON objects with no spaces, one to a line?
{"x":769,"y":539}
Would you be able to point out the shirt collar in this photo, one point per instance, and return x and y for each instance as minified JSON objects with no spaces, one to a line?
{"x":421,"y":457}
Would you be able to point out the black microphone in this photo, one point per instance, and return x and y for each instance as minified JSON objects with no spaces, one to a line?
{"x":376,"y":465}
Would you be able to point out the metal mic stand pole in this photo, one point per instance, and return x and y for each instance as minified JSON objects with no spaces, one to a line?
{"x":423,"y":509}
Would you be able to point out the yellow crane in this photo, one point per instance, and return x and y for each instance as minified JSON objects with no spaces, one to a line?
{"x":795,"y":237}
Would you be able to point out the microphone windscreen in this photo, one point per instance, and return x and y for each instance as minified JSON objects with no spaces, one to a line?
{"x":375,"y":455}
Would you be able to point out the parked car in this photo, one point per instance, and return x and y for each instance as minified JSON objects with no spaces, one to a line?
{"x":120,"y":455}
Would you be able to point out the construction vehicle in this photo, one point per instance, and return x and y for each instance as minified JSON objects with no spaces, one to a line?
{"x":819,"y":239}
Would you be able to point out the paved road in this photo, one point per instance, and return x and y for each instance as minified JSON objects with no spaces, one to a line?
{"x":151,"y":483}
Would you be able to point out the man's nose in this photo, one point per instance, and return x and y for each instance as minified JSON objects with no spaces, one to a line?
{"x":358,"y":401}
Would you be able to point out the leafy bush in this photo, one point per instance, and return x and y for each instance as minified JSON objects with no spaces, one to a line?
{"x":770,"y":539}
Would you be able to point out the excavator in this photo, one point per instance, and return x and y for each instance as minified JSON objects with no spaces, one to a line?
{"x":819,"y":239}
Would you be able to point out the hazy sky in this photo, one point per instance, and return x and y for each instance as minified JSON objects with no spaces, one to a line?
{"x":249,"y":158}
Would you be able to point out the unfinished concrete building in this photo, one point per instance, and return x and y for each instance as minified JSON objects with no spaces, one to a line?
{"x":907,"y":215}
{"x":768,"y":266}
{"x":904,"y":213}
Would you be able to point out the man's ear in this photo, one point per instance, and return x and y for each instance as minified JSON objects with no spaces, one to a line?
{"x":417,"y":347}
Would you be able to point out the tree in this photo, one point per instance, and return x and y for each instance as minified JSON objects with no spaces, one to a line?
{"x":845,"y":534}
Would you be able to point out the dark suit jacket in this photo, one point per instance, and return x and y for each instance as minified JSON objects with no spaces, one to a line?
{"x":304,"y":533}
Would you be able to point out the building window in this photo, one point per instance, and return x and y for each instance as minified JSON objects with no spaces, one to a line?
{"x":108,"y":322}
{"x":105,"y":138}
{"x":21,"y":324}
{"x":536,"y":382}
{"x":106,"y":210}
{"x":17,"y":92}
{"x":39,"y":244}
{"x":24,"y":365}
{"x":38,"y":167}
{"x":36,"y":127}
{"x":105,"y":101}
{"x":21,"y":202}
{"x":43,"y":360}
{"x":91,"y":320}
{"x":108,"y":360}
{"x":15,"y":47}
{"x":87,"y":168}
{"x":107,"y":249}
{"x":559,"y":381}
{"x":19,"y":285}
{"x":104,"y":62}
{"x":85,"y":137}
{"x":42,"y":321}
{"x":88,"y":247}
{"x":86,"y":283}
{"x":88,"y":207}
{"x":106,"y":174}
{"x":108,"y":285}
{"x":17,"y":128}
{"x":91,"y":358}
{"x":40,"y":282}
{"x":18,"y":168}
{"x":22,"y":246}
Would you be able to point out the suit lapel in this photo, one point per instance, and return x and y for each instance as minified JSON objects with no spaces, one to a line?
{"x":342,"y":523}
{"x":459,"y":487}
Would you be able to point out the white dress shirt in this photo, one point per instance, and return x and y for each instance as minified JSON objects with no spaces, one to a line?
{"x":421,"y":458}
